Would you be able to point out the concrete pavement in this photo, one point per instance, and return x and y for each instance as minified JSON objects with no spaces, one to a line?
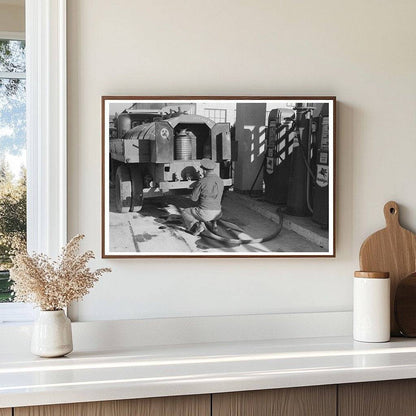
{"x":158,"y":228}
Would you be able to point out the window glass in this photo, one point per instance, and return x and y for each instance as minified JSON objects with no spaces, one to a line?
{"x":217,"y":115}
{"x":12,"y":156}
{"x":12,"y":56}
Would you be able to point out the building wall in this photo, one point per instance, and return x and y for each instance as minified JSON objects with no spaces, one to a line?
{"x":361,"y":51}
{"x":12,"y":18}
{"x":250,"y":132}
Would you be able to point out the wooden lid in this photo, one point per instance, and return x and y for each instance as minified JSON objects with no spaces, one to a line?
{"x":372,"y":275}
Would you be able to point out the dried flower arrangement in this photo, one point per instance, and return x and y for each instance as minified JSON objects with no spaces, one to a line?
{"x":53,"y":285}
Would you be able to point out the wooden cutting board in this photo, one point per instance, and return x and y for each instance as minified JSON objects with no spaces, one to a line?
{"x":393,"y":250}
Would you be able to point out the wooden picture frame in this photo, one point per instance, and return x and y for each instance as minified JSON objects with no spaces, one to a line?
{"x":275,"y":157}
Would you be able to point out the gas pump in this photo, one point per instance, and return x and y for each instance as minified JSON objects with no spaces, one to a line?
{"x":298,"y":200}
{"x":274,"y":122}
{"x":280,"y":136}
{"x":321,"y":190}
{"x":296,"y":168}
{"x":272,"y":182}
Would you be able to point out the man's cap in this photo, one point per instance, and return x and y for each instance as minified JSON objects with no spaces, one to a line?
{"x":207,"y":164}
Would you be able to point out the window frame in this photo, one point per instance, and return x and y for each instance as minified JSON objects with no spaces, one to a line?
{"x":222,"y":111}
{"x":12,"y":35}
{"x":46,"y":135}
{"x":46,"y":125}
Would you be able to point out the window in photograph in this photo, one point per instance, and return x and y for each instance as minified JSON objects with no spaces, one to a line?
{"x":216,"y":114}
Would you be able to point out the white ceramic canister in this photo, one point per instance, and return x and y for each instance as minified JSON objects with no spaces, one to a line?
{"x":371,"y":313}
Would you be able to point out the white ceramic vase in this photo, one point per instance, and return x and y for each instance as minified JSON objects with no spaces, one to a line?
{"x":52,"y":334}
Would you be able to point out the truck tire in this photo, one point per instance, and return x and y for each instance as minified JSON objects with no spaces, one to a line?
{"x":123,"y":189}
{"x":137,"y":188}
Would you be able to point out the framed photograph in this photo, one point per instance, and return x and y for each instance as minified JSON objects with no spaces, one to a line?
{"x":218,"y":177}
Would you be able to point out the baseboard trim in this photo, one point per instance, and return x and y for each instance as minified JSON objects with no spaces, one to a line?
{"x":191,"y":330}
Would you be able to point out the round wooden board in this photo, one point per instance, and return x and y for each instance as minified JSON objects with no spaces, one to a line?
{"x":405,"y":306}
{"x":393,"y":250}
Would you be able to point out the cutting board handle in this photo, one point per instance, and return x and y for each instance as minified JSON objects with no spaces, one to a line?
{"x":391,"y":214}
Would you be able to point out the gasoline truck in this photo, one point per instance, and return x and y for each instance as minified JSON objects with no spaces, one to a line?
{"x":154,"y":154}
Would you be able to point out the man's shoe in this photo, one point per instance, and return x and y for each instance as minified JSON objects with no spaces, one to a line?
{"x":197,"y":228}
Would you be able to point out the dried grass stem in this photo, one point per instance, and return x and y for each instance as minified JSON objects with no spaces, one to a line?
{"x":53,"y":285}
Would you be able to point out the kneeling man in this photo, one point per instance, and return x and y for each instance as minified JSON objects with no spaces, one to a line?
{"x":207,"y":193}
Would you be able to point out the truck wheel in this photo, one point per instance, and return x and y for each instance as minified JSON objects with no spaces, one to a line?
{"x":137,"y":188}
{"x":123,"y":189}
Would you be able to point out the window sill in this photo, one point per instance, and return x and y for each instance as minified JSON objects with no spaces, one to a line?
{"x":16,"y":313}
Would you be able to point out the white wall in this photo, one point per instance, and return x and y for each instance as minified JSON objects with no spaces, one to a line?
{"x":361,"y":51}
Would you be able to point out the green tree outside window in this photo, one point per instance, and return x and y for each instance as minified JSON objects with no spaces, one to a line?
{"x":12,"y":146}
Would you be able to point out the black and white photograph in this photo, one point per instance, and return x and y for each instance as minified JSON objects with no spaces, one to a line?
{"x":218,"y":176}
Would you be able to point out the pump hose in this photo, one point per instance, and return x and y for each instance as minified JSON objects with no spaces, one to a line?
{"x":210,"y":233}
{"x":308,"y":167}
